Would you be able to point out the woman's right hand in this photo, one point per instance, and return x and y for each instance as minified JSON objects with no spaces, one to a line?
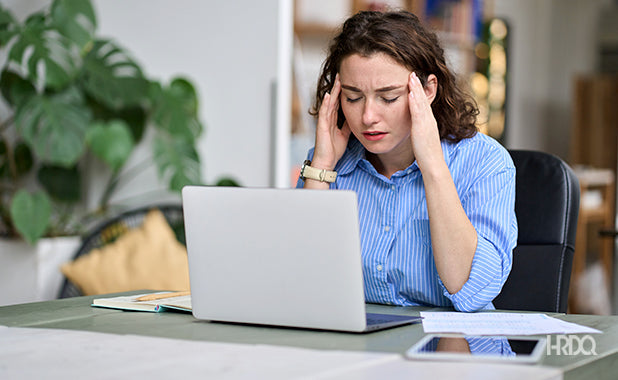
{"x":330,"y":141}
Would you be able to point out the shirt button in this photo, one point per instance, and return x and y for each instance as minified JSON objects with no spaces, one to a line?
{"x":379,"y":268}
{"x":387,"y":228}
{"x":393,"y":187}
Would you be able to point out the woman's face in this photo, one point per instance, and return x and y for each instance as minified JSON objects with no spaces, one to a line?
{"x":374,"y":100}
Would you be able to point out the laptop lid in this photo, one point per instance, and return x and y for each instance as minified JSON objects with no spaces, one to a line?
{"x":283,"y":257}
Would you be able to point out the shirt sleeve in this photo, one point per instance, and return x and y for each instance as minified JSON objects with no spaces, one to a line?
{"x":300,"y":183}
{"x":490,"y":206}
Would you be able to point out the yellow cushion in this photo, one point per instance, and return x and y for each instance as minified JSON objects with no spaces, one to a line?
{"x":147,"y":257}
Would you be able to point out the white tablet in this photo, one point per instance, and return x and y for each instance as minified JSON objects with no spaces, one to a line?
{"x":478,"y":348}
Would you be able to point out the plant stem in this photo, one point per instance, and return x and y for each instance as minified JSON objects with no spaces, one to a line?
{"x":7,"y":123}
{"x":9,"y":149}
{"x":114,"y":181}
{"x":8,"y":188}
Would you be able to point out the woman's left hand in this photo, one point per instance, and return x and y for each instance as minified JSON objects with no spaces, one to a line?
{"x":453,"y":238}
{"x":425,"y":135}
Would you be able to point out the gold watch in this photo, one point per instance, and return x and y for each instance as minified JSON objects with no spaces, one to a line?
{"x":321,"y":175}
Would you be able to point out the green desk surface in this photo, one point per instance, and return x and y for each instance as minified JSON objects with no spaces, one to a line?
{"x":77,"y":314}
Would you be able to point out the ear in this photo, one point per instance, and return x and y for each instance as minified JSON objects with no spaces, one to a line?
{"x":431,"y":87}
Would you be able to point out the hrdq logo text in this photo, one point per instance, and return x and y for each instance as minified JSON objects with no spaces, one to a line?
{"x":571,"y":345}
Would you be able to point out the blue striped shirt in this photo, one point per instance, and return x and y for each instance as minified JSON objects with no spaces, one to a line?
{"x":398,"y":264}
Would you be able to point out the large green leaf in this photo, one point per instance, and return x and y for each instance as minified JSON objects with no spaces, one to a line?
{"x":76,"y":20}
{"x":8,"y":26}
{"x":63,"y":184}
{"x":43,"y":55}
{"x":55,"y":126}
{"x":31,"y":214}
{"x":135,"y":117}
{"x":176,"y":109}
{"x":112,"y":77}
{"x":111,"y":142}
{"x":14,"y":88}
{"x":177,"y":160}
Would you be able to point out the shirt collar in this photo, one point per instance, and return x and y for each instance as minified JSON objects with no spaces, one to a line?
{"x":447,"y":150}
{"x":354,"y":153}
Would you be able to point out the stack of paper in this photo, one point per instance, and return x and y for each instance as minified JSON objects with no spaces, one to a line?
{"x":494,"y":323}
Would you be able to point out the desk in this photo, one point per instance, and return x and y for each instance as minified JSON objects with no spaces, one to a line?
{"x":76,"y":314}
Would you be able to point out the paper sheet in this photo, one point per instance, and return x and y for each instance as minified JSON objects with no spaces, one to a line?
{"x":494,"y":323}
{"x":32,"y":353}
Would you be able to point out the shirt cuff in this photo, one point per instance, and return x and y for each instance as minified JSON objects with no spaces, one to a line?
{"x":484,"y":283}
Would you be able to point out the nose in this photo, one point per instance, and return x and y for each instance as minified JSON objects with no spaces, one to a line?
{"x":370,"y":114}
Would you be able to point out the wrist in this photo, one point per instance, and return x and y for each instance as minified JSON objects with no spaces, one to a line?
{"x":322,"y":164}
{"x":308,"y":171}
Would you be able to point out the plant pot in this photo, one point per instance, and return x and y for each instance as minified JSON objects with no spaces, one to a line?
{"x":30,"y":273}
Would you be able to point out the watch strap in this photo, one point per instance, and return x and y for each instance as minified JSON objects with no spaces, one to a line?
{"x":321,"y":175}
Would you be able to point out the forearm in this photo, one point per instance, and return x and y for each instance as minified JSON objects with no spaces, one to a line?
{"x":315,"y":184}
{"x":453,"y":237}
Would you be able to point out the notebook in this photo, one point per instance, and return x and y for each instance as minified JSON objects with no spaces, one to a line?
{"x":282,"y":257}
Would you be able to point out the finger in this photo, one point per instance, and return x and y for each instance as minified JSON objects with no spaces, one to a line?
{"x":417,"y":88}
{"x":336,"y":90}
{"x":336,"y":86}
{"x":325,"y":103}
{"x":413,"y":96}
{"x":323,"y":113}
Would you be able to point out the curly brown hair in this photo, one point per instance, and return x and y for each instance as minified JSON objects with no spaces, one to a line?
{"x":400,"y":35}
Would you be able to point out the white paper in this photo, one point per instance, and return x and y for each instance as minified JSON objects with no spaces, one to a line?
{"x":32,"y":353}
{"x":494,"y":323}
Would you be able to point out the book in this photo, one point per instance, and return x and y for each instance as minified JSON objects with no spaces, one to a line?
{"x":152,"y":302}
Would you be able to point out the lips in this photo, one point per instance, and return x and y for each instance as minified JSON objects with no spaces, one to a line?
{"x":374,"y":136}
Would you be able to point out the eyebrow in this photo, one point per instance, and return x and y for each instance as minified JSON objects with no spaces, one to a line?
{"x":383,"y":89}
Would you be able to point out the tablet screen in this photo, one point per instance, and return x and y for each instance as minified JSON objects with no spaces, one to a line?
{"x":477,"y":348}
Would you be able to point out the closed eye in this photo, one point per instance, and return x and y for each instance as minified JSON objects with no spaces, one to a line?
{"x":352,"y":100}
{"x":391,"y":100}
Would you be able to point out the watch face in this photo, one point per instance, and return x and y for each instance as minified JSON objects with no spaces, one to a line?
{"x":302,"y":169}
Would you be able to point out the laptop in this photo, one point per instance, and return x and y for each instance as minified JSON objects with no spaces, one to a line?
{"x":280,"y":257}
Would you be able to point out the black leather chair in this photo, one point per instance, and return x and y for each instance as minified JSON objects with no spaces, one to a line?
{"x":547,"y":206}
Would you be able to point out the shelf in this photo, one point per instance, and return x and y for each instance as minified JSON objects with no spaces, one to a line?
{"x":314,"y":29}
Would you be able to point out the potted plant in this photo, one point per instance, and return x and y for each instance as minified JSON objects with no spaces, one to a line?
{"x":73,"y":96}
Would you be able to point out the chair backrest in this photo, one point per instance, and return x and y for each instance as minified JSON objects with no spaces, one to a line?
{"x":108,"y":231}
{"x":547,"y":206}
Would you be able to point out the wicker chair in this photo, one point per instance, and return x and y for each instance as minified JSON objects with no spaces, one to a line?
{"x":110,"y":230}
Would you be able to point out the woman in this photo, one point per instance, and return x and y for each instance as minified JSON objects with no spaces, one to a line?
{"x":436,"y":198}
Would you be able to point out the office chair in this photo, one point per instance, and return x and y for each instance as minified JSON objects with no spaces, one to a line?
{"x":547,"y":207}
{"x":109,"y":231}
